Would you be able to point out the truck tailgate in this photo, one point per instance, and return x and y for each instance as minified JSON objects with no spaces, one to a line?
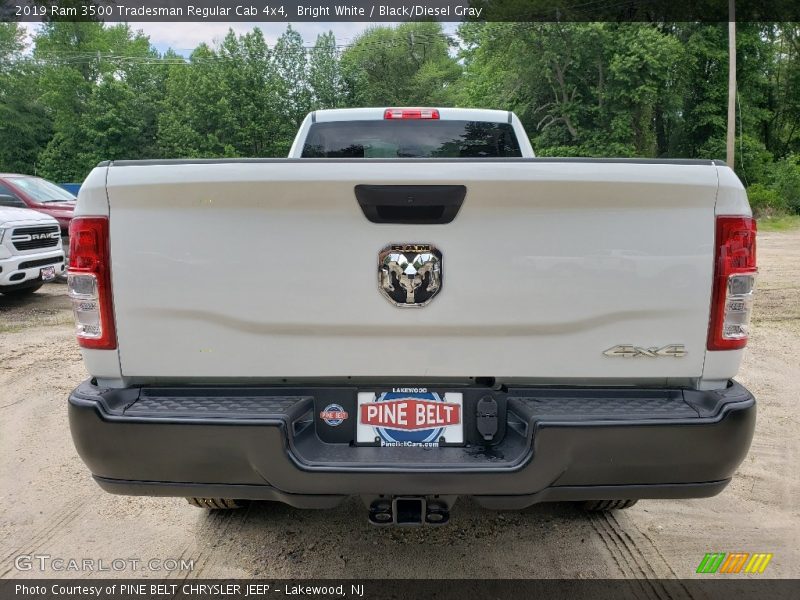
{"x":269,"y":269}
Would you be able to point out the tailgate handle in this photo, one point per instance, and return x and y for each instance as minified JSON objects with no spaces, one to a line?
{"x":411,"y":204}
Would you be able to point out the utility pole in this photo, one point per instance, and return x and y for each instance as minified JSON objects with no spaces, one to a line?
{"x":731,"y":141}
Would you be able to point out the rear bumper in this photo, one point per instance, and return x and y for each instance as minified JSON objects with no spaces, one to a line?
{"x":553,"y":444}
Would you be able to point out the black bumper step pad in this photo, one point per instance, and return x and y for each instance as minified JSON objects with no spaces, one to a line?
{"x":209,"y":404}
{"x":572,"y":406}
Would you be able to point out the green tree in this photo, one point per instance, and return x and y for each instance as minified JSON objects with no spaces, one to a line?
{"x":406,"y":65}
{"x":100,"y":90}
{"x":197,"y":118}
{"x":87,"y":92}
{"x":289,"y":58}
{"x":324,"y":75}
{"x":225,"y":102}
{"x":580,"y":88}
{"x":24,"y":124}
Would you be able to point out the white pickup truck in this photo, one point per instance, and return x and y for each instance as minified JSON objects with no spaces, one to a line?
{"x":30,"y":250}
{"x":412,"y":308}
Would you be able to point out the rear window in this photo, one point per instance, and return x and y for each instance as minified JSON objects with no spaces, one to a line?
{"x":410,"y":139}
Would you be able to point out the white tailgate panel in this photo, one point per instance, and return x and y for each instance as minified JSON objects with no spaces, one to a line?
{"x":259,"y":270}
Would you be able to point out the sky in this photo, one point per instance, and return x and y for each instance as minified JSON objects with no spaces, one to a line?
{"x":185,"y":37}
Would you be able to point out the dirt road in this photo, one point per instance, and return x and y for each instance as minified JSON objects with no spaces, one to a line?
{"x":52,"y":507}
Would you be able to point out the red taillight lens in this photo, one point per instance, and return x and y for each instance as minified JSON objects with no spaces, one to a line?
{"x":734,"y":283}
{"x":89,"y":283}
{"x":411,"y":113}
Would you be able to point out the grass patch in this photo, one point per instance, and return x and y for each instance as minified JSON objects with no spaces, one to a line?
{"x":783,"y":223}
{"x":11,"y":328}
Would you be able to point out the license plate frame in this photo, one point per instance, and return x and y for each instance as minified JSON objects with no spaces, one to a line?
{"x":409,"y":417}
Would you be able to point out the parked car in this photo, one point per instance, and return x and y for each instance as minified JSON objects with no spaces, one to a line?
{"x":433,"y":313}
{"x":30,"y":250}
{"x":27,"y":191}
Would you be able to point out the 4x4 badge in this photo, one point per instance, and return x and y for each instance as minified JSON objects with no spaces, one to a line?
{"x":630,"y":351}
{"x":410,"y":275}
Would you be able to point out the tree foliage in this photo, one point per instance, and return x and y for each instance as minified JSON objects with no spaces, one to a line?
{"x":24,"y":125}
{"x":639,"y":89}
{"x":406,"y":65}
{"x":85,"y":92}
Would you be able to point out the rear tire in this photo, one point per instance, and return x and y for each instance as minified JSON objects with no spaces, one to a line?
{"x":216,"y":503}
{"x":606,"y":505}
{"x":20,"y":292}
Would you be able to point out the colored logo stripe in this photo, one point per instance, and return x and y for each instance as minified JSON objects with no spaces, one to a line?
{"x":758,"y":563}
{"x":734,"y":562}
{"x":711,"y":562}
{"x":721,"y":562}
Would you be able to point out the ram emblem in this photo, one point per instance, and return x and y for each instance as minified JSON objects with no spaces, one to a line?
{"x":410,"y":275}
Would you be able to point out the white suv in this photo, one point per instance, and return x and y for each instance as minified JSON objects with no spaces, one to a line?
{"x":30,"y":250}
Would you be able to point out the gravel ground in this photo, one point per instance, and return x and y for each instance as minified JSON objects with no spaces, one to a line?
{"x":52,"y":507}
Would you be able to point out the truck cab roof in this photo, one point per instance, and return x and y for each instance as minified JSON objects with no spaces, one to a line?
{"x":378,"y":114}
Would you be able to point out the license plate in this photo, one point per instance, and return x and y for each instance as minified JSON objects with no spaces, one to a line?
{"x":404,"y":417}
{"x":48,"y":273}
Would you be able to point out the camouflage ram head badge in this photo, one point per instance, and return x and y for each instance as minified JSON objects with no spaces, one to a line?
{"x":410,"y":275}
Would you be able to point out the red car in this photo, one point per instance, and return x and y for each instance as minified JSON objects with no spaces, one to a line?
{"x":27,"y":191}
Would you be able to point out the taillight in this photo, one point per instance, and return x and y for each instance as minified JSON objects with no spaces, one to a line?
{"x":89,"y":282}
{"x":411,"y":113}
{"x":734,"y":283}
